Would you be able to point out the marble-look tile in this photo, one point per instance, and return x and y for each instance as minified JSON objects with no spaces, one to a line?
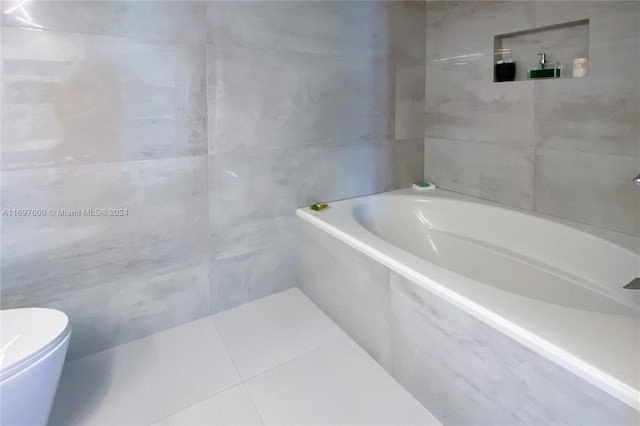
{"x":257,"y":192}
{"x":268,"y":98}
{"x":591,"y":188}
{"x":182,"y":21}
{"x":72,"y":98}
{"x":231,"y":407}
{"x":462,"y":102}
{"x":407,"y":31}
{"x":494,"y":172}
{"x":608,"y":21}
{"x":579,"y":114}
{"x":350,"y":28}
{"x":50,"y":258}
{"x":409,"y":157}
{"x":121,"y":311}
{"x":410,"y":106}
{"x":457,"y":30}
{"x":466,"y":372}
{"x":348,"y":286}
{"x":268,"y":332}
{"x":337,"y":384}
{"x":598,"y":113}
{"x":336,"y":172}
{"x":241,"y":279}
{"x":145,"y":380}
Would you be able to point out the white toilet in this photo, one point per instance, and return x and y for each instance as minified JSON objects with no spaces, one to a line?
{"x":33,"y":345}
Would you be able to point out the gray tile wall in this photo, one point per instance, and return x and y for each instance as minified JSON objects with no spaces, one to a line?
{"x":567,"y":147}
{"x":211,"y":122}
{"x":464,"y":371}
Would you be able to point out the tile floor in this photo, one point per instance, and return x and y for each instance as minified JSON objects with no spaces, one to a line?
{"x":277,"y":360}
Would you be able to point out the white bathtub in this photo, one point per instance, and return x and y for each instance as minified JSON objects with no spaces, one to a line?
{"x":553,"y":285}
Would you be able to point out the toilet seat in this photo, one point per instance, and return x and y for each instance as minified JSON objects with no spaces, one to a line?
{"x":27,"y":335}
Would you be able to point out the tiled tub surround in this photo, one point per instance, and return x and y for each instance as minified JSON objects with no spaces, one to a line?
{"x":471,"y":353}
{"x":566,"y":147}
{"x":211,"y":122}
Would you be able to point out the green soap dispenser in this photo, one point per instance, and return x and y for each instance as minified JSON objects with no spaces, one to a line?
{"x":544,"y":69}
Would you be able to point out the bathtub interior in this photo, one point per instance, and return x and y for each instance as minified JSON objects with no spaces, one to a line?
{"x":516,"y":252}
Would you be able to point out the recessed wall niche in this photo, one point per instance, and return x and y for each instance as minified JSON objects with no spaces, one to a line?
{"x":561,"y":43}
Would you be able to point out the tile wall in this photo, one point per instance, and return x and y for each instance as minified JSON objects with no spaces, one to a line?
{"x":210,"y":122}
{"x":566,"y":147}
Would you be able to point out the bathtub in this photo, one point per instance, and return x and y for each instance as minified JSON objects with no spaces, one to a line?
{"x":552,"y":285}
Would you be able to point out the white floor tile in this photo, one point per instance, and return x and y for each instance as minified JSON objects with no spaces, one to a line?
{"x":338,"y":383}
{"x":231,"y":407}
{"x":267,"y":332}
{"x":145,"y":380}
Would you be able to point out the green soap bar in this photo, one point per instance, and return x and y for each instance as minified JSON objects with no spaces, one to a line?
{"x":319,"y":206}
{"x":424,"y":184}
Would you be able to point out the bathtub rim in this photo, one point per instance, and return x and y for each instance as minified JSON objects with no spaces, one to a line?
{"x":388,"y":255}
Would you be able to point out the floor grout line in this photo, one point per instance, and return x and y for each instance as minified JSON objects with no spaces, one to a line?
{"x":195,"y":403}
{"x":226,"y":350}
{"x":253,"y":402}
{"x":243,"y":380}
{"x":296,"y":357}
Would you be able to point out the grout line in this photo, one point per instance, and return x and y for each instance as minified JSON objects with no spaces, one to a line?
{"x":298,"y":356}
{"x":210,"y":317}
{"x":132,"y":38}
{"x":225,"y":348}
{"x":79,"y":165}
{"x":243,"y":380}
{"x":195,"y":403}
{"x":244,"y":386}
{"x":231,"y":44}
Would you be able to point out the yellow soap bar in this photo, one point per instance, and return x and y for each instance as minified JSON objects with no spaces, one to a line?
{"x":319,"y":206}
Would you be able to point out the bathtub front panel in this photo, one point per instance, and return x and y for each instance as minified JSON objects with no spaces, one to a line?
{"x":461,"y":369}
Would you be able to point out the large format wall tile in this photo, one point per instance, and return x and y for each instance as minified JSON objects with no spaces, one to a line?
{"x":599,"y":113}
{"x":349,"y":28}
{"x":49,"y":258}
{"x":351,"y":288}
{"x":583,"y":114}
{"x":71,"y":98}
{"x":125,"y":310}
{"x":462,"y":102}
{"x":409,"y":102}
{"x":457,"y":30}
{"x":607,"y":21}
{"x":182,"y":21}
{"x":406,"y":31}
{"x":562,"y":120}
{"x":248,"y":277}
{"x":467,"y":373}
{"x":257,"y":191}
{"x":491,"y":171}
{"x":119,"y":101}
{"x":590,"y":188}
{"x":409,"y":157}
{"x":273,"y":98}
